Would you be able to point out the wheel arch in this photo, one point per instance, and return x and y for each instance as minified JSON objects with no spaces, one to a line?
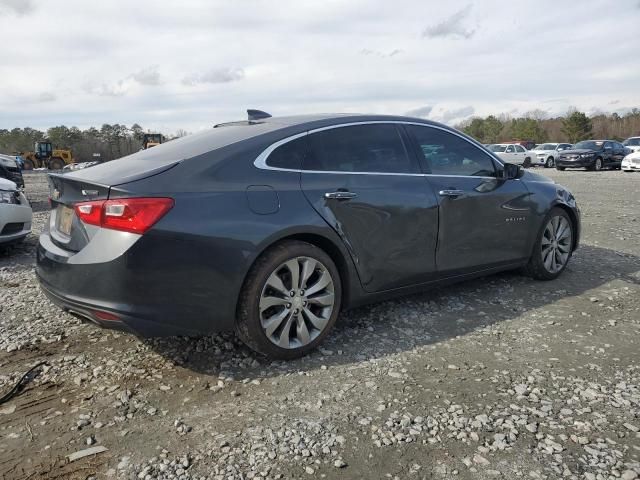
{"x":574,"y":222}
{"x":340,"y":258}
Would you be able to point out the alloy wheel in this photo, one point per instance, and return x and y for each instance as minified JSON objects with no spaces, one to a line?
{"x":556,"y":244}
{"x":296,"y":302}
{"x":550,"y":162}
{"x":598,"y":164}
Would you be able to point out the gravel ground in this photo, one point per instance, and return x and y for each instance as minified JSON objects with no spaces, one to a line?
{"x":503,"y":377}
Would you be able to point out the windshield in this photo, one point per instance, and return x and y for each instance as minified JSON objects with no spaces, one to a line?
{"x":497,"y":148}
{"x":588,"y":145}
{"x":546,"y":146}
{"x":632,"y":142}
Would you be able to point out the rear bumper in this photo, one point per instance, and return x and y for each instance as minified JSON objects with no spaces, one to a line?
{"x":143,"y":290}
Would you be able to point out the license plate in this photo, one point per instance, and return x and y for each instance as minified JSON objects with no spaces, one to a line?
{"x":65,"y":219}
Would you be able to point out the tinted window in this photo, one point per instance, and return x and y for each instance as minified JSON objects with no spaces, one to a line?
{"x":449,"y":154}
{"x":359,"y":148}
{"x":289,"y":155}
{"x":511,"y":149}
{"x":520,"y":149}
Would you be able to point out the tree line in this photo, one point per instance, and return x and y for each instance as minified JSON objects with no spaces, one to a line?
{"x":572,"y":127}
{"x":115,"y":141}
{"x":110,"y":141}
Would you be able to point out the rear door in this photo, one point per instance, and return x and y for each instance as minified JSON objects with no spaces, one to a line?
{"x":367,"y":185}
{"x":484,"y":221}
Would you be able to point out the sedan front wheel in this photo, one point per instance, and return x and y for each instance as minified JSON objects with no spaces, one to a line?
{"x":553,"y":248}
{"x":290,"y":300}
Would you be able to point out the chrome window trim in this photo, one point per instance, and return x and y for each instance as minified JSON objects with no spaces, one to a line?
{"x":261,"y":160}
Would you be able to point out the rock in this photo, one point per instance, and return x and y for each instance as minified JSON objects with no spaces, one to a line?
{"x":480,"y":460}
{"x":339,"y":463}
{"x":309,"y":470}
{"x":629,"y":475}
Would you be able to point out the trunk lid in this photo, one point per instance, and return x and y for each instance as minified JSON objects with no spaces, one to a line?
{"x":65,"y":228}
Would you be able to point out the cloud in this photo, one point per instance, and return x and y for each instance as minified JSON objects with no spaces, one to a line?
{"x":422,"y":112}
{"x":378,"y":53}
{"x":451,"y":26}
{"x":147,"y":76}
{"x":221,"y":75}
{"x":45,"y":97}
{"x":17,"y":7}
{"x":455,"y":114}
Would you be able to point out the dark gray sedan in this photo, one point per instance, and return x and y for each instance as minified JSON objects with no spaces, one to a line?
{"x":271,"y":226}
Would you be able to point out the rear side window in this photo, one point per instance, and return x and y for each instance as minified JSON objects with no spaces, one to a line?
{"x":449,"y":154}
{"x":289,"y":155}
{"x":360,"y":148}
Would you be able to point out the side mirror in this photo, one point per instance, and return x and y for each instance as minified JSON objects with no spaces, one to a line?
{"x":510,"y":171}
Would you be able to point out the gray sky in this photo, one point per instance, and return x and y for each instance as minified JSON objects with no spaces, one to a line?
{"x":193,"y":63}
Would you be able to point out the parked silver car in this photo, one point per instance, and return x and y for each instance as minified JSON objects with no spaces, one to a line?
{"x":15,"y":213}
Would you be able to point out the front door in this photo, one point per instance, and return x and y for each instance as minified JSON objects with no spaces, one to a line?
{"x":366,"y":185}
{"x":484,"y":221}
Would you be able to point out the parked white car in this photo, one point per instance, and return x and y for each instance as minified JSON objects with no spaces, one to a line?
{"x":632,"y":143}
{"x":631,"y":162}
{"x":546,"y":153}
{"x":513,"y":153}
{"x":15,"y":213}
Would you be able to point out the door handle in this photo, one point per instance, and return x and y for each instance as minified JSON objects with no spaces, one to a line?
{"x":451,"y":193}
{"x":340,"y":195}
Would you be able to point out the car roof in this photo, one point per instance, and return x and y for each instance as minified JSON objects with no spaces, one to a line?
{"x":223,"y":135}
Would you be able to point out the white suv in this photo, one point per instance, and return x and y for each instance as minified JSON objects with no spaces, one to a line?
{"x":632,"y":143}
{"x":546,"y":153}
{"x":513,"y":153}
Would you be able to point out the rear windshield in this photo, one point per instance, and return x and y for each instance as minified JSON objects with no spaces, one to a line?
{"x":139,"y":164}
{"x":497,"y":148}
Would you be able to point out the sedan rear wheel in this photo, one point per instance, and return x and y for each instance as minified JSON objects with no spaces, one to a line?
{"x":290,"y":300}
{"x":553,"y":248}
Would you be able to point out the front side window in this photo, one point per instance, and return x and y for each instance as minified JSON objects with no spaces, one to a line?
{"x":520,"y":149}
{"x":511,"y":149}
{"x":449,"y":154}
{"x":497,"y":148}
{"x":289,"y":155}
{"x":359,"y":148}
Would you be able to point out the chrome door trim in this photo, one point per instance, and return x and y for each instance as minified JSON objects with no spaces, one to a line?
{"x":261,"y":160}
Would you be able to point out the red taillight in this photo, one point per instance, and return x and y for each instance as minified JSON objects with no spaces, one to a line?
{"x":136,"y":215}
{"x":90,"y":212}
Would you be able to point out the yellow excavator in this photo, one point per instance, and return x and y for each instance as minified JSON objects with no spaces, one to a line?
{"x":151,"y":140}
{"x":45,"y":156}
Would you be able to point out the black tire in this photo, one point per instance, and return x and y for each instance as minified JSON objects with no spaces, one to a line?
{"x":28,"y":165}
{"x":597,"y":165}
{"x":562,"y":169}
{"x":248,"y":323}
{"x":536,"y":268}
{"x":550,"y":163}
{"x":56,"y":164}
{"x":526,"y":163}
